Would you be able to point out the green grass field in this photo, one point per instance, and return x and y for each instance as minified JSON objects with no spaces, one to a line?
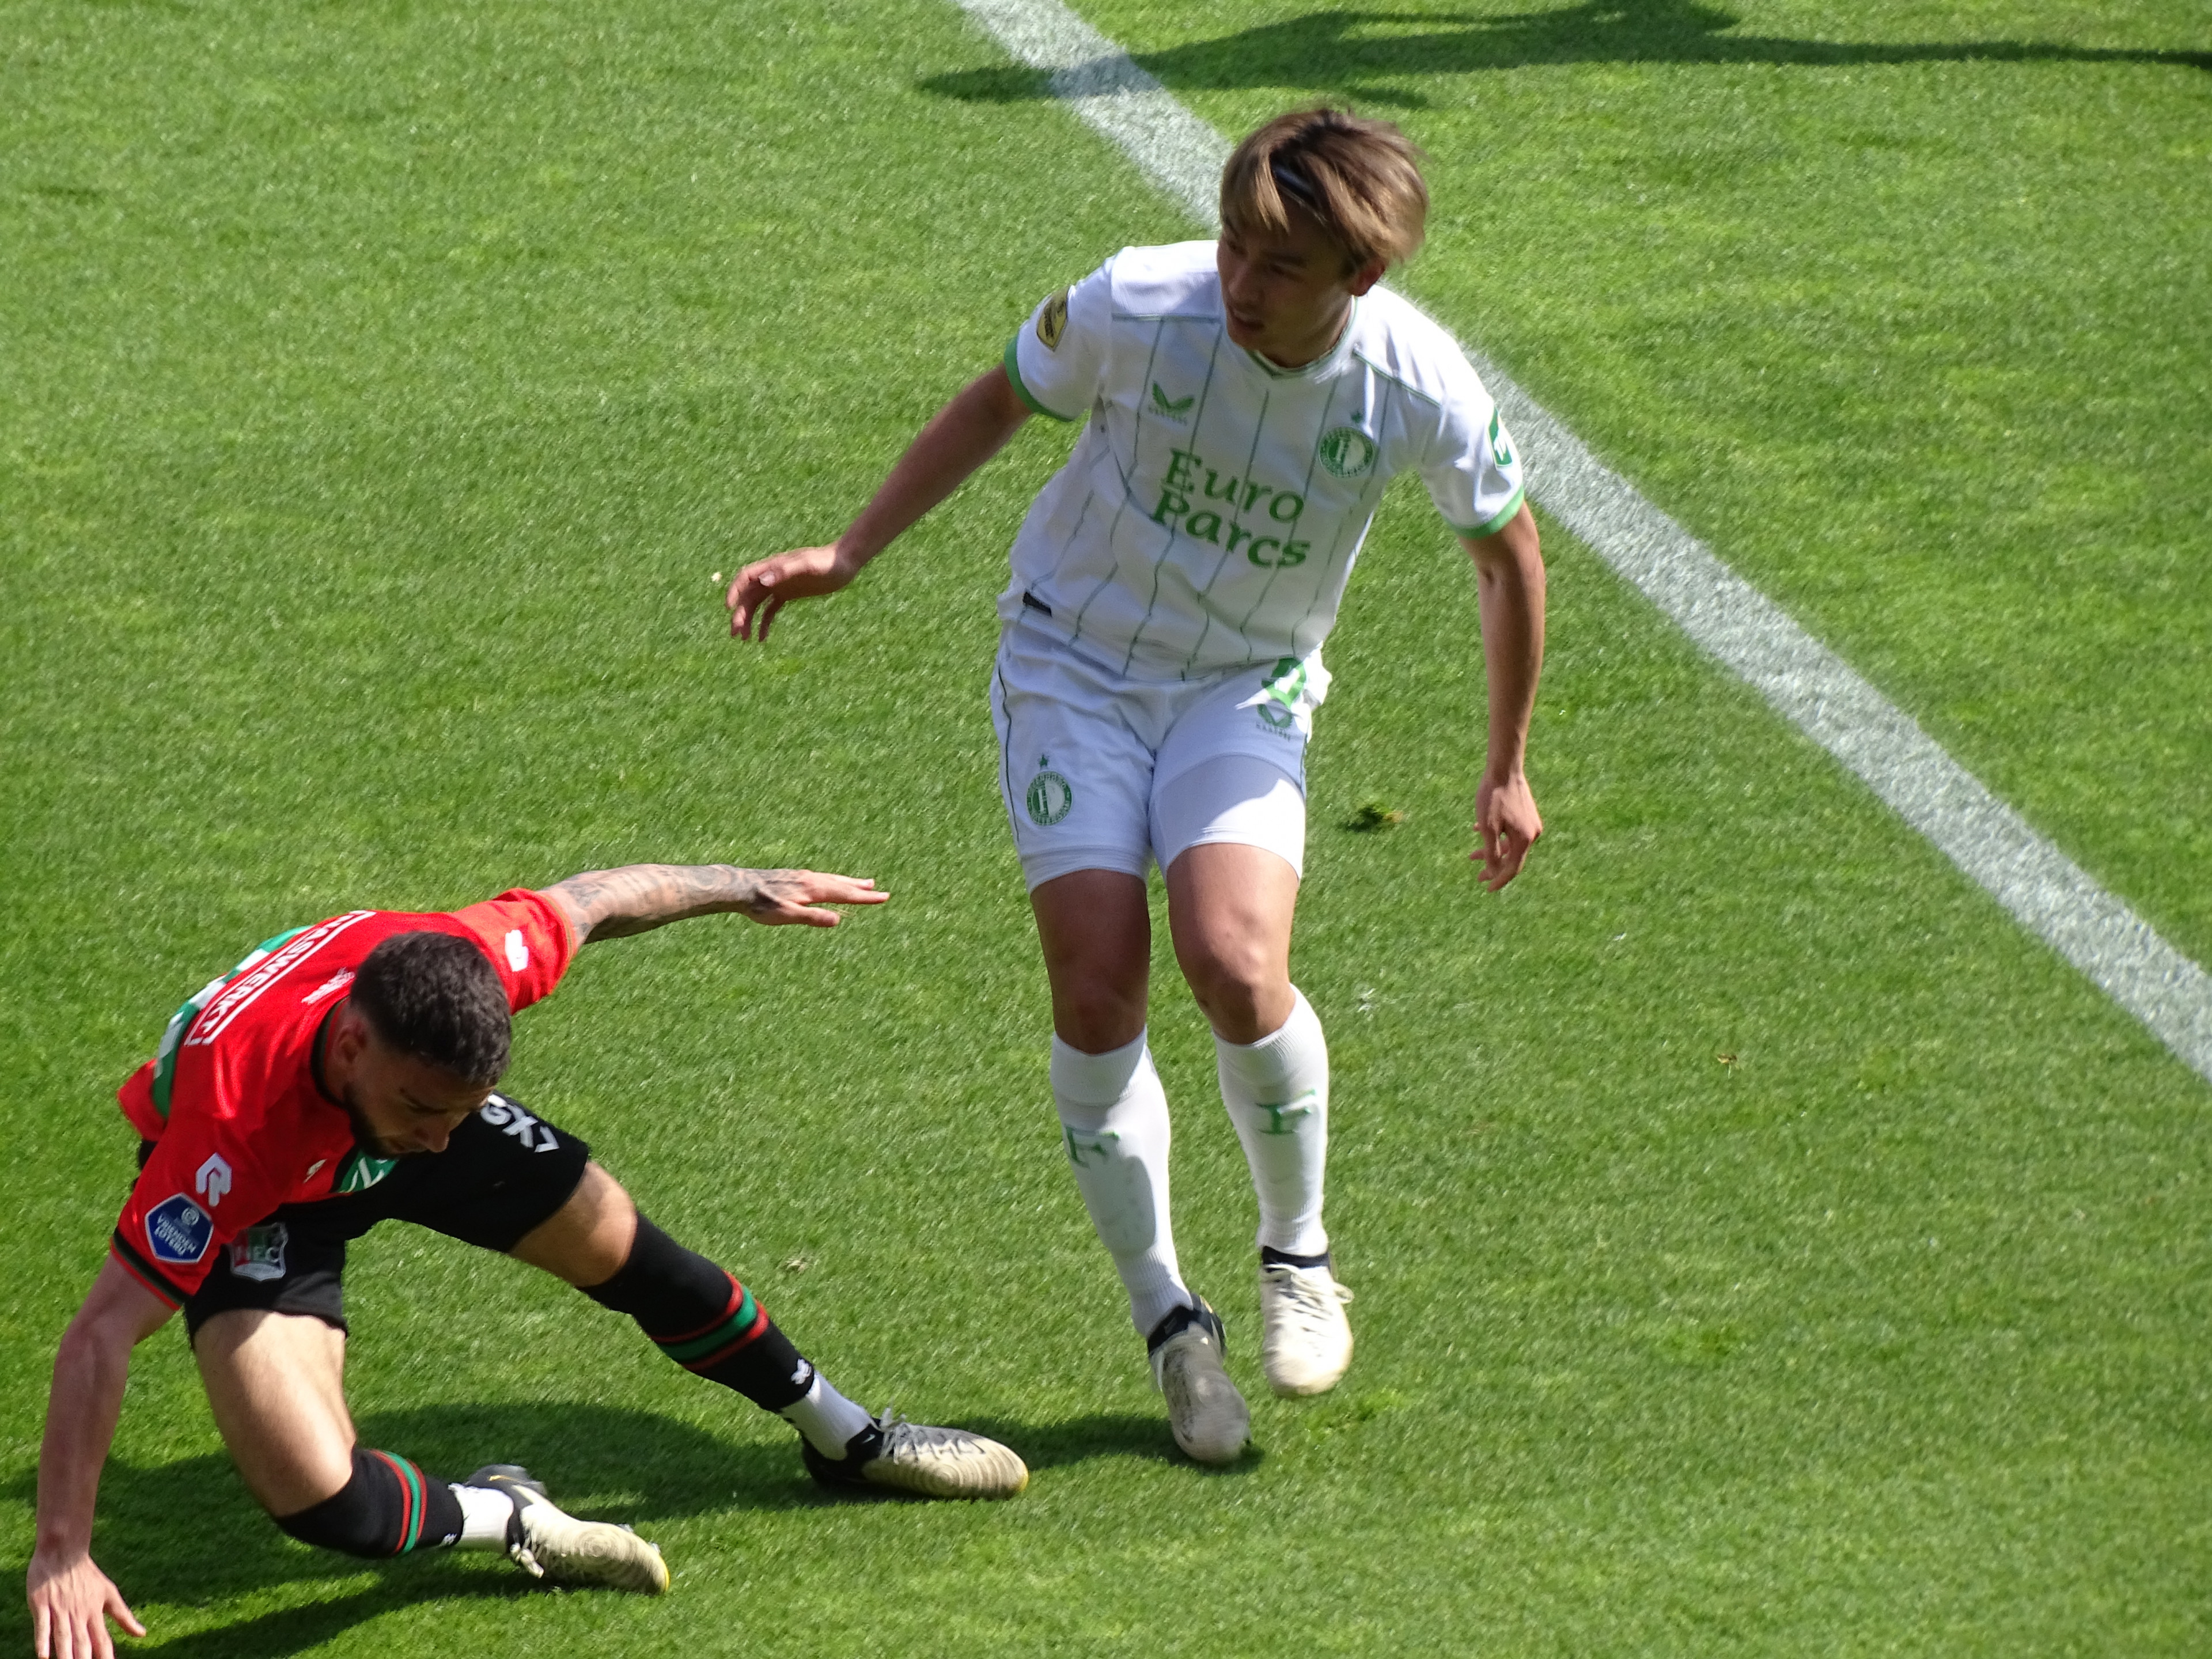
{"x":382,"y":386}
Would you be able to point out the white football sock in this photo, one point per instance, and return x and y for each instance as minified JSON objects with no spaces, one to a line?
{"x":1114,"y":1122}
{"x":826,"y":1418}
{"x":485,"y":1512}
{"x":1277,"y":1092}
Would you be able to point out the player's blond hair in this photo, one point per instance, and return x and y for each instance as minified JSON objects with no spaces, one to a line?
{"x":1360,"y":178}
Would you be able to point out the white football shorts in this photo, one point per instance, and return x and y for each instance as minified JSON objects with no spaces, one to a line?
{"x":1101,"y":772}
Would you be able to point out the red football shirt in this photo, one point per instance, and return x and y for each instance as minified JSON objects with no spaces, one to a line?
{"x":239,"y":1126}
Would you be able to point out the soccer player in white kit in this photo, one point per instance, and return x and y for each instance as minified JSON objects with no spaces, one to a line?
{"x":1159,"y":666}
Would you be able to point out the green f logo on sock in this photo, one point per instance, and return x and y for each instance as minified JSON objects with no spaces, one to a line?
{"x":1297,"y":1110}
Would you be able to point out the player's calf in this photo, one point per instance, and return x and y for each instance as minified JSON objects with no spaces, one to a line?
{"x":700,"y":1317}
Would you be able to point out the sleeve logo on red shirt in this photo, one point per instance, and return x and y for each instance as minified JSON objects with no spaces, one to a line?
{"x":213,"y":1180}
{"x":177,"y":1231}
{"x":518,"y":950}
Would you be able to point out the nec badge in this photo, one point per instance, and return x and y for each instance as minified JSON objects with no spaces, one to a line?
{"x":259,"y":1253}
{"x":177,"y":1231}
{"x":1052,"y":321}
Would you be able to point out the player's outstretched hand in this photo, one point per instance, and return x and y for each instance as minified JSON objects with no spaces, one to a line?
{"x":71,"y":1602}
{"x":764,"y":587}
{"x":1506,"y":826}
{"x":786,"y":895}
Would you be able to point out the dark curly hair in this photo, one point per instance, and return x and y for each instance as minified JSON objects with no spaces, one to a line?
{"x":437,"y":997}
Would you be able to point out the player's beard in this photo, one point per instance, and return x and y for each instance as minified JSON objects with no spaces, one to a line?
{"x":366,"y":1140}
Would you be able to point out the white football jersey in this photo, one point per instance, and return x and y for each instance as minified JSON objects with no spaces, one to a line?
{"x":1210,"y":514}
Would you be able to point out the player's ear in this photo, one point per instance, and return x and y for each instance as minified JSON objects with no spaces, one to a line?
{"x":1365,"y":277}
{"x":349,"y":1033}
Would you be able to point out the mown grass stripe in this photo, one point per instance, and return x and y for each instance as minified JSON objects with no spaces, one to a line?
{"x":1724,"y":614}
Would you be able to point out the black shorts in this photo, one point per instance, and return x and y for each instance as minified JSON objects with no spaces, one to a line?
{"x":504,"y":1171}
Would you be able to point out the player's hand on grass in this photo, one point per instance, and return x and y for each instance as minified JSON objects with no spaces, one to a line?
{"x":787,"y":896}
{"x":764,"y":587}
{"x":71,"y":1601}
{"x":1506,"y":826}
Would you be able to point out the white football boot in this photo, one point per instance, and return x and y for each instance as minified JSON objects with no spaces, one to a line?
{"x":1305,"y":1341}
{"x":548,"y":1543}
{"x":1206,"y":1412}
{"x":914,"y":1458}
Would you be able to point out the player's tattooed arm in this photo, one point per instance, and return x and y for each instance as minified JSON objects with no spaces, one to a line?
{"x":639,"y":897}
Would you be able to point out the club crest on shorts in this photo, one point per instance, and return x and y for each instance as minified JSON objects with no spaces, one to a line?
{"x":1346,"y":451}
{"x":177,"y":1231}
{"x":1052,"y":321}
{"x":1050,"y":799}
{"x":1278,"y":699}
{"x":258,"y":1253}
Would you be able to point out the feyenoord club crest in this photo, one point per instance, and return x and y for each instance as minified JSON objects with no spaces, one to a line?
{"x":1346,"y":451}
{"x":1050,"y":798}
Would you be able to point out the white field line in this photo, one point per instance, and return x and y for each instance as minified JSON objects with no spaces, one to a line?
{"x":1816,"y":689}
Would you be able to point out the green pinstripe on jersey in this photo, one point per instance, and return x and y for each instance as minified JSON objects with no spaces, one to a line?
{"x":1214,"y":505}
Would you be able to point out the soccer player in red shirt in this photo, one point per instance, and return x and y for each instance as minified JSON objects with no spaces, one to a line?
{"x":342,"y":1075}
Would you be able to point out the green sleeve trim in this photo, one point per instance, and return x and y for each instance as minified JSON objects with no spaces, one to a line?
{"x":1498,"y":521}
{"x":180,"y":1023}
{"x":1014,"y":374}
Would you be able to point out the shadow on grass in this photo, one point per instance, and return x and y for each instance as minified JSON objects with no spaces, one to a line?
{"x":187,"y":1533}
{"x":294,"y":1630}
{"x":1078,"y":1439}
{"x":1360,"y":51}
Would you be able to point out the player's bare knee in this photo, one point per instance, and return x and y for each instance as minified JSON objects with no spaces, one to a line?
{"x":1242,"y":994}
{"x":1098,"y":1018}
{"x":588,"y":1238}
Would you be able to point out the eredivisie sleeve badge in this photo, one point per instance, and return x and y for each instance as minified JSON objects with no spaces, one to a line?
{"x":1052,"y":321}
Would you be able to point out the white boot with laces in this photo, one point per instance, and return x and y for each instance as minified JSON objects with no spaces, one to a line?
{"x":1305,"y":1341}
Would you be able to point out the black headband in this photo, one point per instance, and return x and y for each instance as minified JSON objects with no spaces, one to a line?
{"x":1293,"y":184}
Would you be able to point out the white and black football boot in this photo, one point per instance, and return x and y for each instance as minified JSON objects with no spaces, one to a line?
{"x":914,"y":1458}
{"x":548,"y":1543}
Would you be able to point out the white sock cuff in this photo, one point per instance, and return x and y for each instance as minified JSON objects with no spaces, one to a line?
{"x":485,"y":1512}
{"x":825,"y":1417}
{"x":1095,"y":1081}
{"x":1292,"y":1046}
